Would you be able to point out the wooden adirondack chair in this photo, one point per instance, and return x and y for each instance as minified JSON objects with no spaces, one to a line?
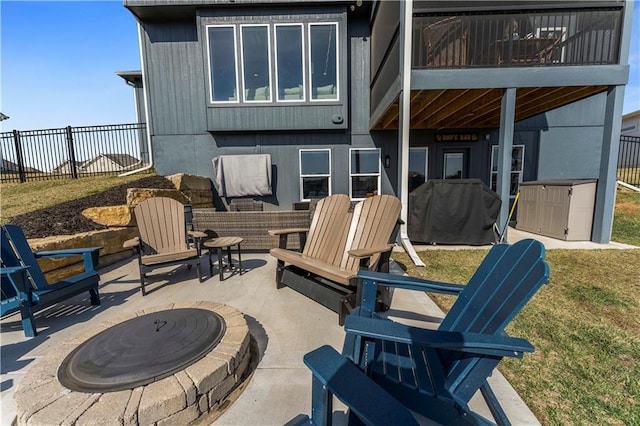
{"x":164,"y":239}
{"x":22,"y":277}
{"x":431,"y":372}
{"x":339,"y":243}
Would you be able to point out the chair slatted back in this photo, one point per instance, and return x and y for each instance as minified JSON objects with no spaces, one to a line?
{"x":161,"y":225}
{"x":16,"y":252}
{"x":327,"y":227}
{"x":495,"y":294}
{"x":371,"y":226}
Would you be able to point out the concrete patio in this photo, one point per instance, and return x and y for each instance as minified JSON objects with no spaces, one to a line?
{"x":285,"y":325}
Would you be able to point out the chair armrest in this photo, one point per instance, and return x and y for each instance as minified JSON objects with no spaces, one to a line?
{"x":197,"y":234}
{"x":283,"y":235}
{"x":475,"y":343}
{"x":368,"y":252}
{"x":16,"y":277}
{"x":277,"y":232}
{"x":334,"y":374}
{"x":66,"y":253}
{"x":90,"y":255}
{"x":409,"y":283}
{"x":132,"y":243}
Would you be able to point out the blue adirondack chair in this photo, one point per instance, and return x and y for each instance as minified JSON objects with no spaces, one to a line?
{"x":25,"y":284}
{"x":11,"y":279}
{"x":431,"y":372}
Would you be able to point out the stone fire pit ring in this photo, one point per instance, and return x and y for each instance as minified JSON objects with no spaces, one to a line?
{"x":191,"y":393}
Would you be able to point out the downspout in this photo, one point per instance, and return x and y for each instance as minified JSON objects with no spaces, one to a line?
{"x":406,"y":24}
{"x":146,"y":111}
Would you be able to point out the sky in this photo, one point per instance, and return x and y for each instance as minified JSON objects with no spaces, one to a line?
{"x":59,"y":59}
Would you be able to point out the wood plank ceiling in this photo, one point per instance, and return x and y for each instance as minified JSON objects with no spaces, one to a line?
{"x":479,"y":108}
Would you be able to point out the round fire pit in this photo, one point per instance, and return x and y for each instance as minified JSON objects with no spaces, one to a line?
{"x":200,"y":386}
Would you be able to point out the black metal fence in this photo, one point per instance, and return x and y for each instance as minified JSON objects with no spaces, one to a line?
{"x":522,"y":38}
{"x":72,"y":152}
{"x":629,"y":160}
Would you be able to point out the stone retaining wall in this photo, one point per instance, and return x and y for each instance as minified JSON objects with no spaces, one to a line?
{"x":194,"y":190}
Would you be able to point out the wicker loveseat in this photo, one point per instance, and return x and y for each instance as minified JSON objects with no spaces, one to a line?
{"x":251,"y":226}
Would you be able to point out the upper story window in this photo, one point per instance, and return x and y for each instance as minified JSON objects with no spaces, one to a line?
{"x":287,"y":62}
{"x":364,"y":172}
{"x":323,"y":61}
{"x":256,"y":63}
{"x":290,"y":62}
{"x":222,"y":63}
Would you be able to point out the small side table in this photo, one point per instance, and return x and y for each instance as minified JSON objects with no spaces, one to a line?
{"x":218,"y":244}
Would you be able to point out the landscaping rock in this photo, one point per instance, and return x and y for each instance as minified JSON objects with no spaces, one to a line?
{"x":137,"y":195}
{"x":111,"y":216}
{"x":185,"y":182}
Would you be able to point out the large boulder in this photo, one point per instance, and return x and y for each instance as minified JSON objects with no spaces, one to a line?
{"x":137,"y":195}
{"x":111,"y":215}
{"x":183,"y":181}
{"x":196,"y":188}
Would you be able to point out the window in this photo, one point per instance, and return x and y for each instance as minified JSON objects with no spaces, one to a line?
{"x":517,"y":163}
{"x":289,"y":63}
{"x":364,"y":172}
{"x":454,"y":165}
{"x":256,"y":67}
{"x":315,"y":173}
{"x":418,"y":160}
{"x":323,"y":61}
{"x":222,"y":63}
{"x":282,"y":62}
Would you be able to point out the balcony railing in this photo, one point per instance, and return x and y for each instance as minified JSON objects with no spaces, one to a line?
{"x":523,"y":39}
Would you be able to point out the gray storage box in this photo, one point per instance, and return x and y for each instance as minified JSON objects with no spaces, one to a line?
{"x":560,"y":209}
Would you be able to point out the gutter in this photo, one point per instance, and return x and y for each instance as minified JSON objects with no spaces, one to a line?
{"x":146,"y":112}
{"x":404,"y":127}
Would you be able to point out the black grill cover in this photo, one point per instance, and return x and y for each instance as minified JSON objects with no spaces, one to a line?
{"x":453,"y":211}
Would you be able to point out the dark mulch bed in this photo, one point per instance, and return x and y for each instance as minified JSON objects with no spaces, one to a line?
{"x":67,"y":219}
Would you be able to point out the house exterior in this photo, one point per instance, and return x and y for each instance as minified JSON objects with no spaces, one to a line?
{"x":376,"y":97}
{"x":109,"y":163}
{"x":67,"y":166}
{"x":631,"y":124}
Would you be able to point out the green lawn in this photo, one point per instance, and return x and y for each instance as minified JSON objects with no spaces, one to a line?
{"x":19,"y":198}
{"x":585,"y":326}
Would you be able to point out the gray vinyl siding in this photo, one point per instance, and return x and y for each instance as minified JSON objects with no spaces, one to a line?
{"x":570,"y":139}
{"x":194,"y":153}
{"x":275,"y":116}
{"x":174,"y":78}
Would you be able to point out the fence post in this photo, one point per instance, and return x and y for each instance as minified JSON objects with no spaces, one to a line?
{"x":19,"y":159}
{"x":72,"y":153}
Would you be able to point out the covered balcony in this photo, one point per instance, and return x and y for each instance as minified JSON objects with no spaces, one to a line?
{"x":462,"y":61}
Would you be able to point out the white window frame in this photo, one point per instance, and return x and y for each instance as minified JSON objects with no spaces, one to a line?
{"x":269,"y":58}
{"x":511,"y":172}
{"x":337,"y":26}
{"x":426,"y":158}
{"x":302,"y":176}
{"x":304,"y":62}
{"x":351,"y":174}
{"x":235,"y":55}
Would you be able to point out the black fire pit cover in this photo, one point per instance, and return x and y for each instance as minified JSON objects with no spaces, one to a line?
{"x":141,"y":350}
